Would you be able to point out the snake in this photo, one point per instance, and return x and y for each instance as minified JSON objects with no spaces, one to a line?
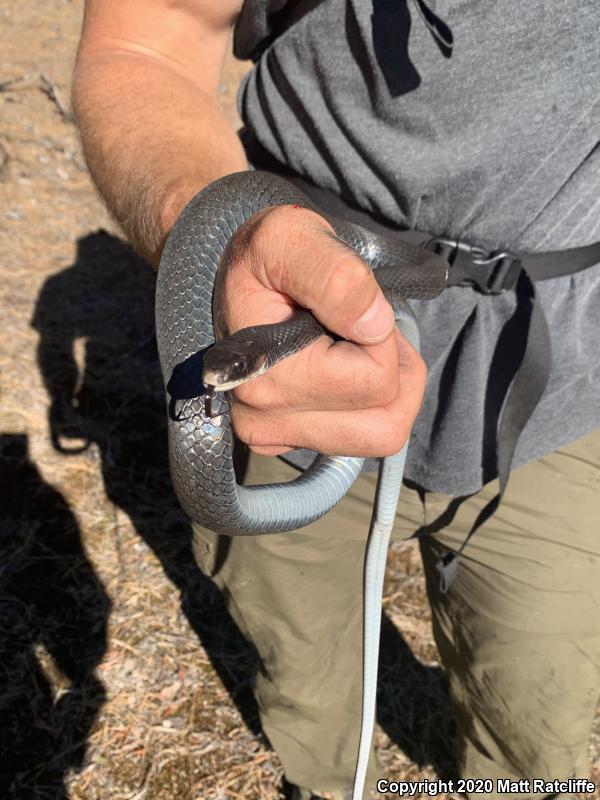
{"x":199,"y":371}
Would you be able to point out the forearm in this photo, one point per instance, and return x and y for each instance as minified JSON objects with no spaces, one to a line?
{"x":152,"y":139}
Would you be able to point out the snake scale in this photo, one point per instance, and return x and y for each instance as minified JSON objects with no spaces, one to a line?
{"x":201,"y":443}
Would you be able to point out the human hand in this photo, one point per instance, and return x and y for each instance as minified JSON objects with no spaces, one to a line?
{"x":355,"y":397}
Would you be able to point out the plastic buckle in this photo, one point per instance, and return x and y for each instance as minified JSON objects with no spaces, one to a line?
{"x":489,"y":272}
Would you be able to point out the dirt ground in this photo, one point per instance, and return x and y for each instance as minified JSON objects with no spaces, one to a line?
{"x":122,"y":676}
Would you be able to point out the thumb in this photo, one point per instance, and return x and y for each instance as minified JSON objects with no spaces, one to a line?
{"x":302,"y":257}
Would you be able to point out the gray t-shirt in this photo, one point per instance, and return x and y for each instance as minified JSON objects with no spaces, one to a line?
{"x":478,"y":121}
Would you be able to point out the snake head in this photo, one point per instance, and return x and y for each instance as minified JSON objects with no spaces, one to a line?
{"x":231,"y":362}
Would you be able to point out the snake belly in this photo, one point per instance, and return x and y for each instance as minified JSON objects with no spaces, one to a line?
{"x":201,"y":446}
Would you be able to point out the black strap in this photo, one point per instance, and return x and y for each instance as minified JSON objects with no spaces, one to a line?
{"x":522,"y":397}
{"x":496,"y":269}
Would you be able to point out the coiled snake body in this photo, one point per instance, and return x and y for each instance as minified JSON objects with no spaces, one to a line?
{"x":201,"y":445}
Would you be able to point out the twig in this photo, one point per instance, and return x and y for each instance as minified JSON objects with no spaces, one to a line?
{"x":4,"y":158}
{"x":27,"y":81}
{"x":46,"y":85}
{"x":51,"y":90}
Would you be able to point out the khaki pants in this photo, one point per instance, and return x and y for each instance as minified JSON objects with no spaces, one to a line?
{"x":518,"y":632}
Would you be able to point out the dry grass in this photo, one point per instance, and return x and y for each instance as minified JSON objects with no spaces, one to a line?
{"x":121,"y":674}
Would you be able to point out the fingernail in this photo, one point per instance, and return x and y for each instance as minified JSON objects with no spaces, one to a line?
{"x":377,"y":321}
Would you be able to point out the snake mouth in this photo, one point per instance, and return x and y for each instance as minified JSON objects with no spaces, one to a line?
{"x":221,"y":381}
{"x":216,"y":379}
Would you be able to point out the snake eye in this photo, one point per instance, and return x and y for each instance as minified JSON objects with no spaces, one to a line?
{"x":238,"y":366}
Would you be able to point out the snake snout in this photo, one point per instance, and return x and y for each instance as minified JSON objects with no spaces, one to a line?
{"x":215,"y":377}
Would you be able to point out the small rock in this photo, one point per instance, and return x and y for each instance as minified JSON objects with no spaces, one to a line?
{"x":14,"y":213}
{"x":175,"y":722}
{"x":129,"y":665}
{"x":169,"y":693}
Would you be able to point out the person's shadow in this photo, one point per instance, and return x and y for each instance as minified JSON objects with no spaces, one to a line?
{"x":53,"y":613}
{"x":105,"y":303}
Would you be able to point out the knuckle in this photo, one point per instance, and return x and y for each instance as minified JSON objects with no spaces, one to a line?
{"x":259,"y":237}
{"x":282,"y":217}
{"x":269,"y":240}
{"x":265,"y":230}
{"x":241,"y":242}
{"x":393,"y":444}
{"x":391,"y":437}
{"x":294,"y":217}
{"x":384,"y":384}
{"x":346,"y":277}
{"x":255,"y":241}
{"x":274,"y":222}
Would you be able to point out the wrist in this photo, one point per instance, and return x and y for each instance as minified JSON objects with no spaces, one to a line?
{"x":170,"y":206}
{"x":174,"y":201}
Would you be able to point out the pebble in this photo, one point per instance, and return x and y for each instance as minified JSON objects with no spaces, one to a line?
{"x":169,"y":693}
{"x":175,"y":722}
